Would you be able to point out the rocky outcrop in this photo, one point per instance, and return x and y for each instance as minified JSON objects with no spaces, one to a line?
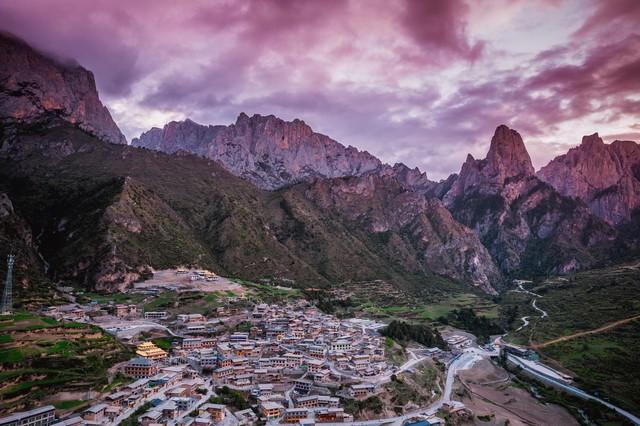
{"x":507,"y":159}
{"x":416,"y":232}
{"x":528,"y":227}
{"x":34,"y":88}
{"x":605,"y":176}
{"x":266,"y":150}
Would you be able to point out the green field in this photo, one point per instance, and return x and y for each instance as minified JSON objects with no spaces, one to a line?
{"x":582,"y":302}
{"x":39,"y":356}
{"x":606,"y":362}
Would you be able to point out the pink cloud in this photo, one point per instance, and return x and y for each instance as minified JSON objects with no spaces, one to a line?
{"x":409,"y":81}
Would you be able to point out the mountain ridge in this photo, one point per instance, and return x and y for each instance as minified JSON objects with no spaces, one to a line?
{"x":605,"y":176}
{"x":267,"y":198}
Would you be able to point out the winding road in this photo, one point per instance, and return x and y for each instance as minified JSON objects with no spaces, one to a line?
{"x":521,"y":289}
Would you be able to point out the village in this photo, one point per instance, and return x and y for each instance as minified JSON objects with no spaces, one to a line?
{"x":248,"y":362}
{"x":288,"y":364}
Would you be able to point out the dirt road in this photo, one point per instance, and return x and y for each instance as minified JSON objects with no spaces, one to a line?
{"x":586,"y":333}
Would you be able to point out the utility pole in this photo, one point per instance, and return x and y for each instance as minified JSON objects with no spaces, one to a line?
{"x":7,"y":302}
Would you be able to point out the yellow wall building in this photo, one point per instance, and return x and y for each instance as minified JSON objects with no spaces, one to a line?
{"x":150,"y":351}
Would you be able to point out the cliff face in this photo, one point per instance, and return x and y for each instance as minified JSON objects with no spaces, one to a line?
{"x":34,"y":88}
{"x":506,"y":160}
{"x":413,"y":231}
{"x":108,"y":214}
{"x":605,"y":176}
{"x":527,"y":225}
{"x":266,"y":150}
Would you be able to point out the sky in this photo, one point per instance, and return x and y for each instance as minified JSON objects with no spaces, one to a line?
{"x":423,"y":82}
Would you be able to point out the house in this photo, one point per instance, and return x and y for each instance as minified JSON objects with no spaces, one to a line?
{"x":295,"y":415}
{"x":156,"y":315}
{"x":140,"y":367}
{"x":112,"y":412}
{"x":264,"y":389}
{"x":217,"y":411}
{"x":191,"y":318}
{"x":117,"y":398}
{"x":73,"y":421}
{"x":222,"y":373}
{"x":316,"y":401}
{"x":332,"y":415}
{"x":246,"y":417}
{"x":183,"y":403}
{"x":316,"y":351}
{"x":191,"y":343}
{"x":293,"y":360}
{"x":341,"y":346}
{"x":95,"y":413}
{"x":362,"y":390}
{"x":314,"y":365}
{"x":150,"y":417}
{"x":271,"y":410}
{"x":302,"y":386}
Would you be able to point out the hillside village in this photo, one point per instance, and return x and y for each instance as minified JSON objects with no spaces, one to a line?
{"x":247,"y":362}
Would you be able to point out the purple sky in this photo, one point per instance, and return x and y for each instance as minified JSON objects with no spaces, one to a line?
{"x":418,"y":81}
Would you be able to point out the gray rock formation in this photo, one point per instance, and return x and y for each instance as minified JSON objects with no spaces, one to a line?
{"x":34,"y":87}
{"x":266,"y":150}
{"x":605,"y":176}
{"x":528,"y":227}
{"x":416,"y":232}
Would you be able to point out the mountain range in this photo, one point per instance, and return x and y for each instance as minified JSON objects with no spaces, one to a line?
{"x":264,"y":198}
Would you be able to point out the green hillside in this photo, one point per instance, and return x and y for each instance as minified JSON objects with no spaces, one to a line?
{"x":39,"y":356}
{"x":106,"y":212}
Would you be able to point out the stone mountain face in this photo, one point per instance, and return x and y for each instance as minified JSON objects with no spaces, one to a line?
{"x":526,"y":224}
{"x":266,"y":150}
{"x":34,"y":88}
{"x":605,"y":176}
{"x":507,"y":159}
{"x":107,"y":214}
{"x":416,"y":232}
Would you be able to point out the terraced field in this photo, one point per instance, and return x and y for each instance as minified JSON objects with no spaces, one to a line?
{"x":39,"y":356}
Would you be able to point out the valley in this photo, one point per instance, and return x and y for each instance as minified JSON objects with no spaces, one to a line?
{"x":261,"y":272}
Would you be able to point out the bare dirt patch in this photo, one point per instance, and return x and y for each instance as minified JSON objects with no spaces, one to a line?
{"x":169,"y":279}
{"x":493,"y":399}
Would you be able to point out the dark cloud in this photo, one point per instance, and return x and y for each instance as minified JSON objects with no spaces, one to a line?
{"x":439,"y":27}
{"x":95,"y":36}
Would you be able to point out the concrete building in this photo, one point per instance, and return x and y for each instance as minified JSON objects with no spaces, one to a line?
{"x":43,"y":416}
{"x":140,"y":367}
{"x":271,"y":410}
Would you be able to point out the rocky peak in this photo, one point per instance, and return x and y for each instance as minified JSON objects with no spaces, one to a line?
{"x":507,"y":156}
{"x":35,"y":87}
{"x":592,"y":142}
{"x":602,"y":175}
{"x":266,"y":150}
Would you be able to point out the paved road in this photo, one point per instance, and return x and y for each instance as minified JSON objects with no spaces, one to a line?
{"x":464,"y":361}
{"x":571,"y":389}
{"x":384,"y":378}
{"x":521,"y":289}
{"x":525,"y":322}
